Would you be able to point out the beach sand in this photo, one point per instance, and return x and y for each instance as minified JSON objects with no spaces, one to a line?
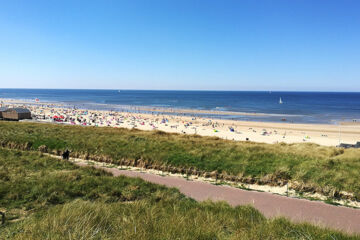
{"x":266,"y":132}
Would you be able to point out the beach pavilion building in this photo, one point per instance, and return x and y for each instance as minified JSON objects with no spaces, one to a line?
{"x":16,"y":114}
{"x":2,"y":109}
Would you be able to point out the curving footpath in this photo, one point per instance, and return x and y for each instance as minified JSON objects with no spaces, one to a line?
{"x":271,"y":205}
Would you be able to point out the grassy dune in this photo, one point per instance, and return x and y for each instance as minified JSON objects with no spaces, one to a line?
{"x":312,"y":167}
{"x":45,"y":198}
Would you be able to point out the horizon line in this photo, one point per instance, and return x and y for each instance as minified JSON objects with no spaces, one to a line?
{"x":183,"y":90}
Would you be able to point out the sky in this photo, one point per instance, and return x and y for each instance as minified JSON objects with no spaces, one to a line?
{"x":292,"y":45}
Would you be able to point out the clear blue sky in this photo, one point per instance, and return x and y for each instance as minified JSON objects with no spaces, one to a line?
{"x":181,"y":44}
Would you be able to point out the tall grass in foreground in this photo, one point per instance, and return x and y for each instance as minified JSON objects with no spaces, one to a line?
{"x":328,"y":169}
{"x":166,"y":219}
{"x":46,"y":198}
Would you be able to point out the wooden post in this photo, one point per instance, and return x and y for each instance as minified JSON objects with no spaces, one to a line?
{"x":287,"y":189}
{"x":2,"y":218}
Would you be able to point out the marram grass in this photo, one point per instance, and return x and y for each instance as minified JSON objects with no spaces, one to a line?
{"x":46,"y":198}
{"x":324,"y":168}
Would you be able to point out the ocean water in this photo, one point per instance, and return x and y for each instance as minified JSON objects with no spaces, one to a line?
{"x":300,"y":107}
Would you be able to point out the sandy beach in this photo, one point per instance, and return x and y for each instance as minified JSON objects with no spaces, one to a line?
{"x":158,"y":119}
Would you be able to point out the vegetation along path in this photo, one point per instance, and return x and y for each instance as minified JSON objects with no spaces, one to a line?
{"x":298,"y":210}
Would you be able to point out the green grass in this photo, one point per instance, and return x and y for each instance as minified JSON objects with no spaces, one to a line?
{"x":46,"y":198}
{"x":317,"y":167}
{"x":30,"y":181}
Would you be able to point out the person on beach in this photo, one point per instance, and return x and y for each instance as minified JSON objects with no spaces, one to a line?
{"x":66,"y":155}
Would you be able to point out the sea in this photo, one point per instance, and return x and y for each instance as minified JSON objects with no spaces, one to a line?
{"x":296,"y":107}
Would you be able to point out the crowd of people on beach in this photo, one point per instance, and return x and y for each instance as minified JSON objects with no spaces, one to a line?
{"x":73,"y":116}
{"x":176,"y":123}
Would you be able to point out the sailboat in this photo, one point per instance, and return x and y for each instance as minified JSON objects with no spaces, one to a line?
{"x":280,"y":101}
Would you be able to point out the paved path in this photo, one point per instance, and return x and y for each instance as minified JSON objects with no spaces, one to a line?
{"x":271,"y":205}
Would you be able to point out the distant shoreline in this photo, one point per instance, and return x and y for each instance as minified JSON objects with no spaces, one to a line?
{"x":259,"y":106}
{"x":216,"y":114}
{"x":256,"y":131}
